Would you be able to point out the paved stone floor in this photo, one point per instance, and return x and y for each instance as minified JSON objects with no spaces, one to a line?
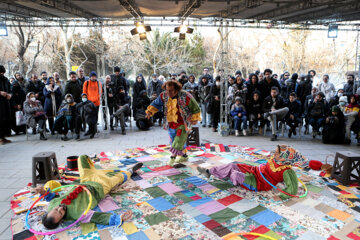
{"x":15,"y":158}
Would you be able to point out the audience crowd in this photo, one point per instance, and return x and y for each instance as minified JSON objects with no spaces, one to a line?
{"x":53,"y":106}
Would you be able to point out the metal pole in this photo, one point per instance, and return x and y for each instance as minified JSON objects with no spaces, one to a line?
{"x":356,"y":63}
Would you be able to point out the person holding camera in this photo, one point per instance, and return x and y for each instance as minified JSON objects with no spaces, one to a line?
{"x":334,"y":127}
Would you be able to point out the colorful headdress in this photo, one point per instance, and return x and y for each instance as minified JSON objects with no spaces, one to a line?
{"x":289,"y":156}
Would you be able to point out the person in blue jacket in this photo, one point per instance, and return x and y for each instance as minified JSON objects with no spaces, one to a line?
{"x":238,"y":112}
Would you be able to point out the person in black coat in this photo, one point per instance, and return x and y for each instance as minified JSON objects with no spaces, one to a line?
{"x":335,"y":99}
{"x":304,"y":89}
{"x":53,"y":98}
{"x":142,"y":103}
{"x":293,"y":118}
{"x":17,"y":101}
{"x":254,"y":111}
{"x":86,"y":112}
{"x":334,"y":127}
{"x":122,"y":103}
{"x":274,"y":109}
{"x":252,"y":85}
{"x":36,"y":86}
{"x":65,"y":119}
{"x":266,"y":85}
{"x":154,"y":89}
{"x":310,"y":98}
{"x":207,"y":75}
{"x":317,"y":111}
{"x":139,"y":86}
{"x":118,"y":80}
{"x":291,"y":85}
{"x":74,"y":87}
{"x":349,"y":86}
{"x":215,"y":102}
{"x":110,"y":96}
{"x":5,"y":112}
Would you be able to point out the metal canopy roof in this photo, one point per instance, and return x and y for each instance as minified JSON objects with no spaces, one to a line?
{"x":289,"y":11}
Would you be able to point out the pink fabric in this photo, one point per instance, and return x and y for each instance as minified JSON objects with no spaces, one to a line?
{"x":168,"y":172}
{"x":170,"y":188}
{"x":88,"y":216}
{"x":107,"y":204}
{"x":206,"y":187}
{"x":210,"y":207}
{"x":231,"y":171}
{"x":145,"y":159}
{"x":143,"y":183}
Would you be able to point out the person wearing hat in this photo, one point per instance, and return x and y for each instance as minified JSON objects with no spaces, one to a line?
{"x":154,"y":89}
{"x":238,"y":113}
{"x":117,"y":79}
{"x":86,"y":112}
{"x":122,"y":103}
{"x":207,"y":75}
{"x":317,"y":109}
{"x":74,"y":87}
{"x":334,"y":127}
{"x":5,"y":112}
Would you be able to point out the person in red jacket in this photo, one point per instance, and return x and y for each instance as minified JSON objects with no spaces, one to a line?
{"x":277,"y":169}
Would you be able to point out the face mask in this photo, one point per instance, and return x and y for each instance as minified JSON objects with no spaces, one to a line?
{"x":217,"y":83}
{"x":84,"y":99}
{"x":340,"y":94}
{"x":33,"y":99}
{"x":342,"y":103}
{"x":68,"y":100}
{"x":44,"y":78}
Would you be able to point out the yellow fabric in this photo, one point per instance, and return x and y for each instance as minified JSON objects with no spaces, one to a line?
{"x":129,"y":228}
{"x":196,"y":117}
{"x":277,"y":169}
{"x":172,"y":110}
{"x":100,"y":176}
{"x":52,"y":184}
{"x":355,"y":109}
{"x":152,"y":110}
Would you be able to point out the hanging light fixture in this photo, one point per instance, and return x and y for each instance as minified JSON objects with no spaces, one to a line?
{"x":182,"y":30}
{"x":3,"y":29}
{"x":140,"y":29}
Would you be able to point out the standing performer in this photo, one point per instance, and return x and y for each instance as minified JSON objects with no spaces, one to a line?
{"x":181,"y":112}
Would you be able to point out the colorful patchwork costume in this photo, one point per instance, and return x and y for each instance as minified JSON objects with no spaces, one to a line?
{"x":179,"y":112}
{"x":99,"y":183}
{"x":276,"y":170}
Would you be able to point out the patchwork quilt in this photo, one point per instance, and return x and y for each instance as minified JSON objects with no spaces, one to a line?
{"x":178,"y":203}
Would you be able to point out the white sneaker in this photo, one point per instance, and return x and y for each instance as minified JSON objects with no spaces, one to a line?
{"x":244,"y":132}
{"x":237,"y":133}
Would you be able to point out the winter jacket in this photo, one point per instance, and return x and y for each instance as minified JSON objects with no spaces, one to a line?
{"x":143,"y":101}
{"x":154,"y":88}
{"x":87,"y":111}
{"x":67,"y":109}
{"x":328,"y":89}
{"x":75,"y":89}
{"x":303,"y":90}
{"x":236,"y":109}
{"x":31,"y":111}
{"x":138,"y":88}
{"x":294,"y":108}
{"x":18,"y":98}
{"x":265,"y":87}
{"x":204,"y":92}
{"x":209,"y":77}
{"x":268,"y":102}
{"x":193,"y":87}
{"x":291,"y":86}
{"x":110,"y":89}
{"x":254,"y":107}
{"x":91,"y":89}
{"x":309,"y":99}
{"x":283,"y":88}
{"x":214,"y":105}
{"x":334,"y":129}
{"x":82,"y":81}
{"x":36,"y":88}
{"x":5,"y":103}
{"x":52,"y":100}
{"x":318,"y":109}
{"x":121,"y":100}
{"x":238,"y":90}
{"x":251,"y":88}
{"x":119,"y":81}
{"x":349,"y":88}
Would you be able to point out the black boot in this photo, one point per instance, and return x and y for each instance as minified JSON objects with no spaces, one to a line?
{"x":42,"y":137}
{"x":77,"y":137}
{"x":123,"y":132}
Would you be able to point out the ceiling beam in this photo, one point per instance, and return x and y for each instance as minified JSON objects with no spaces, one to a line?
{"x":132,"y":8}
{"x":23,"y":12}
{"x":189,"y":8}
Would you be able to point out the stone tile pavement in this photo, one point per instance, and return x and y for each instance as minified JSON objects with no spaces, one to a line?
{"x":15,"y":158}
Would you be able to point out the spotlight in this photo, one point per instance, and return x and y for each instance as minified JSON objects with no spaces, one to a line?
{"x":183,"y":29}
{"x":3,"y":30}
{"x":333,"y":31}
{"x":140,"y":29}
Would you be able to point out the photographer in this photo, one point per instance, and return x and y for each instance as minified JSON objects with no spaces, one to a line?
{"x":334,"y":127}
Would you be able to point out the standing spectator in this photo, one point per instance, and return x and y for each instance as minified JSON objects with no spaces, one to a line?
{"x":261,"y":76}
{"x":304,"y":89}
{"x":314,"y":79}
{"x":122,"y":103}
{"x":22,"y":82}
{"x":192,"y":87}
{"x":117,"y":79}
{"x":215,"y":102}
{"x":254,"y":110}
{"x":82,"y":78}
{"x":60,"y":83}
{"x":86,"y":112}
{"x":335,"y":99}
{"x":349,"y":86}
{"x":207,"y":75}
{"x":252,"y":85}
{"x":34,"y":114}
{"x":327,"y":88}
{"x":266,"y":84}
{"x":37,"y":87}
{"x":139,"y":86}
{"x":65,"y":119}
{"x":74,"y":87}
{"x":317,"y":113}
{"x":44,"y":77}
{"x":291,"y":85}
{"x":53,"y":99}
{"x":274,"y":110}
{"x":110,"y":95}
{"x":293,"y":118}
{"x":153,"y":91}
{"x":17,"y":101}
{"x":93,"y":90}
{"x":275,"y":76}
{"x":238,"y":113}
{"x":204,"y":96}
{"x":5,"y":111}
{"x":183,"y":79}
{"x":283,"y":86}
{"x":334,"y":128}
{"x":127,"y":82}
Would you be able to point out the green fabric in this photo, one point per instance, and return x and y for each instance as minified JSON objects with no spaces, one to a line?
{"x":314,"y":188}
{"x":194,"y":106}
{"x":183,"y":197}
{"x":224,"y":215}
{"x":178,"y":176}
{"x":101,"y":218}
{"x":222,"y":185}
{"x":152,"y":163}
{"x":270,"y":234}
{"x":179,"y":141}
{"x":88,"y":227}
{"x":250,"y":179}
{"x":145,"y":169}
{"x":84,"y":162}
{"x":156,"y":218}
{"x":155,"y":192}
{"x":79,"y":204}
{"x":291,"y":182}
{"x":113,"y":194}
{"x":254,"y":211}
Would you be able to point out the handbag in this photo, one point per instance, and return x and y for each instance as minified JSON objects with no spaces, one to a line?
{"x":20,"y":118}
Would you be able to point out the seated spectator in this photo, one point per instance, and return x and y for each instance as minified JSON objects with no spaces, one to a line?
{"x":65,"y":119}
{"x":351,"y":113}
{"x":318,"y":109}
{"x":34,"y":114}
{"x":214,"y":104}
{"x":238,"y":113}
{"x":204,"y":97}
{"x":122,"y":104}
{"x":254,"y":110}
{"x":86,"y":112}
{"x":239,"y":89}
{"x":274,"y":110}
{"x":327,"y":88}
{"x":53,"y":97}
{"x":252,"y":84}
{"x":335,"y":99}
{"x":293,"y":118}
{"x":305,"y":114}
{"x":334,"y":127}
{"x":192,"y":87}
{"x":143,"y":101}
{"x":17,"y":101}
